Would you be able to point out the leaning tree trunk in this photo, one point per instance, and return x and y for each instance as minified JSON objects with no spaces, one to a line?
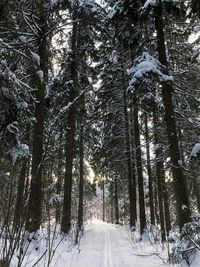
{"x":179,"y":179}
{"x":34,"y":210}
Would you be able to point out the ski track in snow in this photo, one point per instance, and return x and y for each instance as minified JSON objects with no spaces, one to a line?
{"x":105,"y":245}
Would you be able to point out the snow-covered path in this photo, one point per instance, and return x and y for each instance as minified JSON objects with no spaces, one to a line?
{"x":105,"y":245}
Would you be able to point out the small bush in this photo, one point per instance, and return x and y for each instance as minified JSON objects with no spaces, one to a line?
{"x":189,"y":243}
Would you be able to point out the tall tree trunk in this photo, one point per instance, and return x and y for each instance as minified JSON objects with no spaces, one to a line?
{"x":139,"y":168}
{"x":159,"y":175}
{"x":156,"y":203}
{"x":179,"y":180}
{"x":20,"y":201}
{"x":34,"y":211}
{"x":151,"y":199}
{"x":197,"y":191}
{"x":103,"y":196}
{"x":166,"y":201}
{"x":116,"y":202}
{"x":81,"y":182}
{"x":70,"y":138}
{"x":59,"y":183}
{"x":195,"y":182}
{"x":134,"y":175}
{"x":20,"y":195}
{"x":112,"y":201}
{"x":130,"y":163}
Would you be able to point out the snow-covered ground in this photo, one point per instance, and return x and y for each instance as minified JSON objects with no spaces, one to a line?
{"x":103,"y":245}
{"x":107,"y":245}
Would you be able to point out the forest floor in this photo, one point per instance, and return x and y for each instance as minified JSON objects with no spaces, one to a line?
{"x":106,"y":245}
{"x":102,"y":245}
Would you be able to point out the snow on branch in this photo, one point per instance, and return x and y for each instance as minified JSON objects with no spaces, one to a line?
{"x":54,"y":3}
{"x":7,"y":75}
{"x":144,"y":66}
{"x":148,"y":4}
{"x":18,"y":152}
{"x":153,"y":3}
{"x":195,"y":151}
{"x":114,"y":10}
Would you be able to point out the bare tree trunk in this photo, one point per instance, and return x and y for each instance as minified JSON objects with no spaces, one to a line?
{"x":166,"y":201}
{"x":159,"y":175}
{"x":179,"y":180}
{"x":139,"y":169}
{"x":116,"y":202}
{"x":34,"y":211}
{"x":103,"y":190}
{"x":112,"y":202}
{"x":156,"y":203}
{"x":197,"y":192}
{"x":151,"y":199}
{"x":130,"y":163}
{"x":20,"y":195}
{"x":20,"y":201}
{"x":59,"y":183}
{"x":70,"y":140}
{"x":81,"y":182}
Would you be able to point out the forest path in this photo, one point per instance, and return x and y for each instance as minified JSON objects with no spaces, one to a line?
{"x":106,"y":245}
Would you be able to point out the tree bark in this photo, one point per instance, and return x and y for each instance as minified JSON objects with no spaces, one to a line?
{"x":70,"y":139}
{"x":130,"y":163}
{"x":112,"y":201}
{"x":179,"y":180}
{"x":59,"y":183}
{"x":159,"y":175}
{"x":116,"y":200}
{"x":139,"y":168}
{"x":151,"y":199}
{"x":81,"y":182}
{"x":103,"y":196}
{"x":34,"y":211}
{"x":20,"y":195}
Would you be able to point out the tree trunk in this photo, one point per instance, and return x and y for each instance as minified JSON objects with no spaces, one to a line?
{"x":179,"y":180}
{"x":103,"y":196}
{"x":112,"y":201}
{"x":59,"y":183}
{"x":20,"y":195}
{"x":20,"y":201}
{"x":130,"y":163}
{"x":156,"y":203}
{"x":151,"y":199}
{"x":197,"y":192}
{"x":166,"y":201}
{"x":34,"y":211}
{"x":139,"y":168}
{"x":70,"y":139}
{"x":81,"y":182}
{"x":159,"y":175}
{"x":116,"y":200}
